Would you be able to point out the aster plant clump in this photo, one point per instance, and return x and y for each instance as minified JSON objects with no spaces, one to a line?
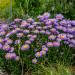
{"x":30,"y":41}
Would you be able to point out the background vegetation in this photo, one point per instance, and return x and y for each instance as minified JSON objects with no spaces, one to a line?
{"x":22,"y":8}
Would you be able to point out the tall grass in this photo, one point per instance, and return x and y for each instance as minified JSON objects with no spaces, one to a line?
{"x":25,"y":8}
{"x":52,"y":70}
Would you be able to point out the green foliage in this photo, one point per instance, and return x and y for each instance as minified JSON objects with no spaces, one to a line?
{"x":25,"y":8}
{"x":52,"y":70}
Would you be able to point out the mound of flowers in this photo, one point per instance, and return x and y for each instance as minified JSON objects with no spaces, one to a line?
{"x":33,"y":38}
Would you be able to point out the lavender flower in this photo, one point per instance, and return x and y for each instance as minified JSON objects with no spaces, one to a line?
{"x":46,"y":15}
{"x":6,"y":47}
{"x":25,"y":47}
{"x":26,"y":31}
{"x":49,"y":44}
{"x":56,"y":44}
{"x":52,"y":37}
{"x":34,"y":61}
{"x":45,"y":49}
{"x":43,"y":52}
{"x":59,"y":16}
{"x":17,"y":41}
{"x":38,"y":54}
{"x":1,"y":46}
{"x":19,"y":35}
{"x":17,"y":58}
{"x":30,"y":20}
{"x":28,"y":42}
{"x":17,"y":20}
{"x":10,"y":56}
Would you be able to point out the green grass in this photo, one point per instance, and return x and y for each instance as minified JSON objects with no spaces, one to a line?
{"x":52,"y":70}
{"x":32,"y":8}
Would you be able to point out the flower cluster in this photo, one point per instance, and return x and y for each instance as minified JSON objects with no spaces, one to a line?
{"x":23,"y":33}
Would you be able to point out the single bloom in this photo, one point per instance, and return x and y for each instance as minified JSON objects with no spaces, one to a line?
{"x":34,"y":61}
{"x":25,"y":47}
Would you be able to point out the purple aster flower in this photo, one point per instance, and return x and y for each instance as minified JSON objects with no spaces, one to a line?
{"x":31,"y":39}
{"x":34,"y":36}
{"x":29,"y":35}
{"x":59,"y":27}
{"x":56,"y":24}
{"x":18,"y":30}
{"x":47,"y":32}
{"x":54,"y":20}
{"x":24,"y":24}
{"x":48,"y":22}
{"x":66,"y":42}
{"x":64,"y":29}
{"x":72,"y":41}
{"x":69,"y":25}
{"x":17,"y":41}
{"x":34,"y":61}
{"x":12,"y":23}
{"x":13,"y":32}
{"x":43,"y":46}
{"x":49,"y":44}
{"x":9,"y":41}
{"x":45,"y":49}
{"x":1,"y":46}
{"x":2,"y":33}
{"x":62,"y":36}
{"x":17,"y":58}
{"x":38,"y":54}
{"x":42,"y":31}
{"x":69,"y":21}
{"x":30,"y":20}
{"x":46,"y":15}
{"x":45,"y":27}
{"x":71,"y":45}
{"x":70,"y":36}
{"x":43,"y":52}
{"x":52,"y":37}
{"x":17,"y":20}
{"x":41,"y":18}
{"x":4,"y":26}
{"x":11,"y":49}
{"x":58,"y":40}
{"x":36,"y":31}
{"x":8,"y":34}
{"x":35,"y":23}
{"x":27,"y":42}
{"x":10,"y":56}
{"x":73,"y":22}
{"x":53,"y":30}
{"x":56,"y":44}
{"x":59,"y":16}
{"x":38,"y":27}
{"x":26,"y":31}
{"x":19,"y":35}
{"x":31,"y":27}
{"x":25,"y":47}
{"x":6,"y":47}
{"x":1,"y":40}
{"x":63,"y":22}
{"x":50,"y":26}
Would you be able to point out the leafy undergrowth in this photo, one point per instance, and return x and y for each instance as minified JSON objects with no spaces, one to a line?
{"x":54,"y":69}
{"x":43,"y":69}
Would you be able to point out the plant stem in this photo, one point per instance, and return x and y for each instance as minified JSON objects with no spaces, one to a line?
{"x":21,"y":60}
{"x":22,"y":65}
